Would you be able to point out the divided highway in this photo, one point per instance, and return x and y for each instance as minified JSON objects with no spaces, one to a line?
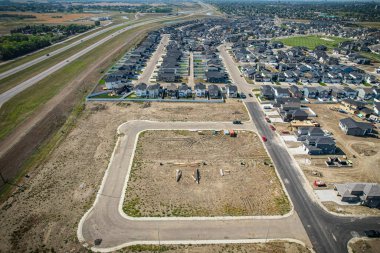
{"x":5,"y":96}
{"x":58,"y":51}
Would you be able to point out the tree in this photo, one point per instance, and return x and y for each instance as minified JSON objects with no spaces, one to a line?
{"x":97,"y":23}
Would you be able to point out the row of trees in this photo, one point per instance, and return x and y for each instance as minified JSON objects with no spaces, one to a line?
{"x":66,"y":30}
{"x":31,"y":38}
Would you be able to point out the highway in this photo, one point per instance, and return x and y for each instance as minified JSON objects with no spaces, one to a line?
{"x":5,"y":96}
{"x":58,"y":51}
{"x":328,"y":233}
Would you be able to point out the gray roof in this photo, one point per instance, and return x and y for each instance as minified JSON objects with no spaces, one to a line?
{"x":141,"y":86}
{"x":350,"y":123}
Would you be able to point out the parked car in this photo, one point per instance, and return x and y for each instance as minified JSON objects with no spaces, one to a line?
{"x":272,"y":127}
{"x":267,"y":119}
{"x":372,"y":233}
{"x":242,"y":95}
{"x":236,"y":122}
{"x":250,"y":95}
{"x":264,"y":138}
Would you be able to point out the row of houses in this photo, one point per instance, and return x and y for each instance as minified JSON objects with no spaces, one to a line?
{"x":132,"y":63}
{"x":173,"y":91}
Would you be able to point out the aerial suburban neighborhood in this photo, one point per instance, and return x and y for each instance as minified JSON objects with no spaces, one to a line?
{"x":190,"y":126}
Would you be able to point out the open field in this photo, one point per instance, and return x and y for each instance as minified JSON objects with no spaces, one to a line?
{"x":312,"y":41}
{"x":372,"y":56}
{"x":44,"y":110}
{"x":365,"y":246}
{"x":47,"y":18}
{"x":369,"y":24}
{"x":153,"y":191}
{"x":62,"y":188}
{"x":269,"y":247}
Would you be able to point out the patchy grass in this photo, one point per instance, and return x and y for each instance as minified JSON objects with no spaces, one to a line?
{"x":313,"y":41}
{"x":322,"y":84}
{"x":20,"y":107}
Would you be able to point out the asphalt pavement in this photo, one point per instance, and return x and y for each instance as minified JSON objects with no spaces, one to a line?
{"x":327,"y":232}
{"x":107,"y":221}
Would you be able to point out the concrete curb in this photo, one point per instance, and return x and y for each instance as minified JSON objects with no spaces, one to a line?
{"x":199,"y":242}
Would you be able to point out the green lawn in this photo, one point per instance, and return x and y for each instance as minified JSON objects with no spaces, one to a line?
{"x":312,"y":41}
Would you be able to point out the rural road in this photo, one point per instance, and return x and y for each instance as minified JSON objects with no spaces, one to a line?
{"x":327,"y":232}
{"x":107,"y":221}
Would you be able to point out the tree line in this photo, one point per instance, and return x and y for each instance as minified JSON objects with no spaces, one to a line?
{"x":30,"y":38}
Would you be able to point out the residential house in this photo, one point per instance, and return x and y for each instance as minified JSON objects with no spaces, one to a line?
{"x":295,"y":92}
{"x":172,"y":90}
{"x":310,"y":92}
{"x":350,"y":93}
{"x":267,"y":92}
{"x":113,"y":82}
{"x":232,"y":91}
{"x":200,"y":89}
{"x":184,"y":91}
{"x":351,"y":127}
{"x":366,"y":93}
{"x":366,"y":193}
{"x":153,"y":90}
{"x":141,"y":90}
{"x":213,"y":91}
{"x":280,"y":92}
{"x":318,"y":145}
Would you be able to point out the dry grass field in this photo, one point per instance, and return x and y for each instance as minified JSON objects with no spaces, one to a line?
{"x":366,"y":246}
{"x":270,"y":247}
{"x":249,"y":186}
{"x":46,"y":213}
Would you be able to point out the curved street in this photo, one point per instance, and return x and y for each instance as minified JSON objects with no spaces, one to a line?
{"x":107,"y":221}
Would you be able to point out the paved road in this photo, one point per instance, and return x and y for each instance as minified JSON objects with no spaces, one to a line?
{"x":106,"y":220}
{"x":328,"y":233}
{"x":58,"y":51}
{"x":150,"y":66}
{"x":4,"y":97}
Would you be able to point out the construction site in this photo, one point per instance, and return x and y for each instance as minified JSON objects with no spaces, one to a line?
{"x":203,"y":173}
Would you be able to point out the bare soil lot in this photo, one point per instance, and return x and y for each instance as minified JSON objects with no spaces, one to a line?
{"x":365,"y":246}
{"x":45,"y":215}
{"x":249,"y":187}
{"x":270,"y":247}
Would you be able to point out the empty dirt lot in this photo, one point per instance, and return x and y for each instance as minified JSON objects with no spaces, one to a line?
{"x":270,"y":247}
{"x":249,"y":187}
{"x":62,"y":189}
